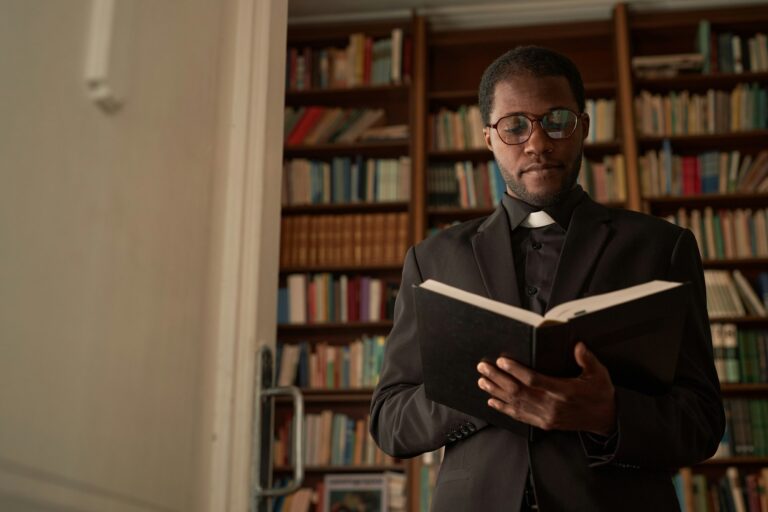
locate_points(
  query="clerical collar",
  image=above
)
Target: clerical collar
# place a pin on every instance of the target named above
(518, 210)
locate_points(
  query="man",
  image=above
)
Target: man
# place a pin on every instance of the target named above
(603, 447)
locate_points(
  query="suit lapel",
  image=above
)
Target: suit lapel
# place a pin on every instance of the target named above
(492, 246)
(587, 235)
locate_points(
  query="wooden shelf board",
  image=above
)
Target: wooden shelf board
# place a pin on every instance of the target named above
(706, 142)
(738, 388)
(347, 269)
(391, 206)
(312, 395)
(344, 469)
(359, 326)
(384, 148)
(365, 94)
(742, 262)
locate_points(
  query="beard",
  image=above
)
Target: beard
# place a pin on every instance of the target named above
(542, 200)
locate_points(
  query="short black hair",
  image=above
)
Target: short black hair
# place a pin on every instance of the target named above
(528, 60)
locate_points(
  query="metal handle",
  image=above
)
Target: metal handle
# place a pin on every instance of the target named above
(298, 441)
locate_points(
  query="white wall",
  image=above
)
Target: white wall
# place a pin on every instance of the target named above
(104, 242)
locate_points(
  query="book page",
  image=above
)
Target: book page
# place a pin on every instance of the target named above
(578, 307)
(519, 314)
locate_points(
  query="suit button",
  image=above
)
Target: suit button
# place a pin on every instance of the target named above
(464, 430)
(452, 438)
(531, 290)
(471, 427)
(536, 246)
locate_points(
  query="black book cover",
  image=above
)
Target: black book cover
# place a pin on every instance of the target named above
(638, 341)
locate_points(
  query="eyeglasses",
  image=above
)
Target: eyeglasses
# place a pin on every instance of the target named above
(515, 129)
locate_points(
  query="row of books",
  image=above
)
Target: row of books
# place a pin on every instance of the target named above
(331, 439)
(683, 113)
(322, 365)
(606, 180)
(463, 128)
(663, 173)
(730, 294)
(746, 429)
(324, 297)
(459, 129)
(723, 233)
(728, 52)
(741, 355)
(329, 125)
(480, 184)
(466, 184)
(346, 180)
(602, 119)
(343, 240)
(349, 492)
(364, 61)
(732, 492)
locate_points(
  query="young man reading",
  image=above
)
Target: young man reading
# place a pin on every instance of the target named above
(603, 447)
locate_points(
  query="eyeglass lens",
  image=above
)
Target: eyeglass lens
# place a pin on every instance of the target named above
(558, 124)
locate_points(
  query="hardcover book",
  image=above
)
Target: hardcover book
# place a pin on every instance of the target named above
(635, 332)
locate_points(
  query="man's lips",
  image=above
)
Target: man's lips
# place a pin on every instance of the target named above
(542, 167)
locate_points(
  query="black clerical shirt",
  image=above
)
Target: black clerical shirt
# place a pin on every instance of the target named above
(536, 251)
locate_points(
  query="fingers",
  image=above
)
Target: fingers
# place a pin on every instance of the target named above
(526, 376)
(495, 382)
(586, 359)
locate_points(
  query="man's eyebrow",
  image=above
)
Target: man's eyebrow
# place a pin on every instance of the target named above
(517, 112)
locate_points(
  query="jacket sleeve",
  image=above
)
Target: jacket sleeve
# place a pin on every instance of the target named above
(685, 425)
(404, 422)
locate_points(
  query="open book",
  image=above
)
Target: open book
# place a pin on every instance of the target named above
(635, 332)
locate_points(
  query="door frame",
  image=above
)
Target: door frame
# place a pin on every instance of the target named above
(245, 243)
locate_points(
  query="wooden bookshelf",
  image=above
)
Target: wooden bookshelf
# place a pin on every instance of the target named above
(603, 51)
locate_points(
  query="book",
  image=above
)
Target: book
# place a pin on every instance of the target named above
(635, 332)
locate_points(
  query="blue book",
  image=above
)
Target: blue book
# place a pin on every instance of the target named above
(302, 373)
(349, 442)
(316, 182)
(762, 285)
(283, 307)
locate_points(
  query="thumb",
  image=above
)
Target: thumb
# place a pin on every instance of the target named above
(586, 359)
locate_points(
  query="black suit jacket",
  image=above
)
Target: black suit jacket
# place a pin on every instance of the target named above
(485, 467)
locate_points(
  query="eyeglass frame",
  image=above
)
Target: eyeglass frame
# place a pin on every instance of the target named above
(536, 119)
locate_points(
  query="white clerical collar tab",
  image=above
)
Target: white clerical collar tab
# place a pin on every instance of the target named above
(537, 220)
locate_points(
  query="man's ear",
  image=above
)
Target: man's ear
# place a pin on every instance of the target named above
(487, 136)
(584, 126)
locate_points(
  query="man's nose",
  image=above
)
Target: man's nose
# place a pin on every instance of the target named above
(539, 142)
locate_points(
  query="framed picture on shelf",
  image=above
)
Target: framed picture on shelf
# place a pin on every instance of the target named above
(355, 493)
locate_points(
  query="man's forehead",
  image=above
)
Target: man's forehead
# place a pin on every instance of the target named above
(522, 92)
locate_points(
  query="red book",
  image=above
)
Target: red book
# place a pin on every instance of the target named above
(310, 118)
(353, 310)
(407, 58)
(311, 306)
(689, 175)
(696, 175)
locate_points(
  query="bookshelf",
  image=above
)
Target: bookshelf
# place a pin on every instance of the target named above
(346, 223)
(603, 50)
(653, 33)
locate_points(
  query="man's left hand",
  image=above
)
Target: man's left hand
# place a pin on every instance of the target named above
(584, 403)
